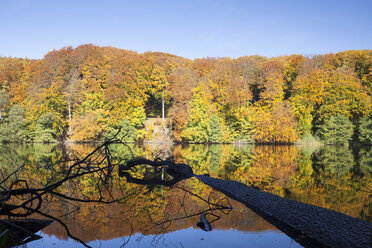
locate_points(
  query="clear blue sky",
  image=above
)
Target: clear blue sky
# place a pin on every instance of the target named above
(190, 28)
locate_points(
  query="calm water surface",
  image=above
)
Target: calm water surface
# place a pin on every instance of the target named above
(337, 178)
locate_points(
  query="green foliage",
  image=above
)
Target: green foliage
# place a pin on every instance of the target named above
(128, 133)
(365, 160)
(44, 129)
(336, 130)
(4, 133)
(238, 161)
(43, 135)
(203, 158)
(214, 152)
(337, 160)
(13, 129)
(365, 131)
(215, 134)
(241, 126)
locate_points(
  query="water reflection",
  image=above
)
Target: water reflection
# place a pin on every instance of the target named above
(334, 177)
(337, 178)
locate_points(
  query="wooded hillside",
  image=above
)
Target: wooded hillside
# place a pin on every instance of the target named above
(87, 93)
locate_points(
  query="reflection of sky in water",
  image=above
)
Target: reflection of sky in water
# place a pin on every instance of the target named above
(184, 238)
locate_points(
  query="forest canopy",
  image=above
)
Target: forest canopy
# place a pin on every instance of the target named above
(89, 92)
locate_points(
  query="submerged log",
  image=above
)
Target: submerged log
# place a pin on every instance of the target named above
(309, 225)
(181, 171)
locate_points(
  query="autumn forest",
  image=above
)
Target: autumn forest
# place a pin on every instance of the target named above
(88, 93)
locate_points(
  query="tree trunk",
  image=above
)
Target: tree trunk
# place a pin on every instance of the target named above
(162, 108)
(69, 115)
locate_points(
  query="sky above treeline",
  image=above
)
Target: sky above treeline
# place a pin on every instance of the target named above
(191, 29)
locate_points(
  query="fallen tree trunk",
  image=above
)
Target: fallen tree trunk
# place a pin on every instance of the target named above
(309, 225)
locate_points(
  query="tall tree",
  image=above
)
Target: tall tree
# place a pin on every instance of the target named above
(198, 128)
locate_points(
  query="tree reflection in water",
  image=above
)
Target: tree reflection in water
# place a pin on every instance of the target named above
(93, 180)
(94, 202)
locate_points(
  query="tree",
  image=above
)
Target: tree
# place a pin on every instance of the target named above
(44, 129)
(241, 128)
(336, 130)
(158, 87)
(198, 128)
(14, 128)
(365, 130)
(215, 134)
(291, 71)
(12, 71)
(359, 61)
(51, 100)
(271, 115)
(274, 124)
(128, 133)
(181, 82)
(87, 128)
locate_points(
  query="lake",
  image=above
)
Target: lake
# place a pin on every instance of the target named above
(105, 210)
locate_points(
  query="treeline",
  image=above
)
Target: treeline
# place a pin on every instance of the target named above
(89, 92)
